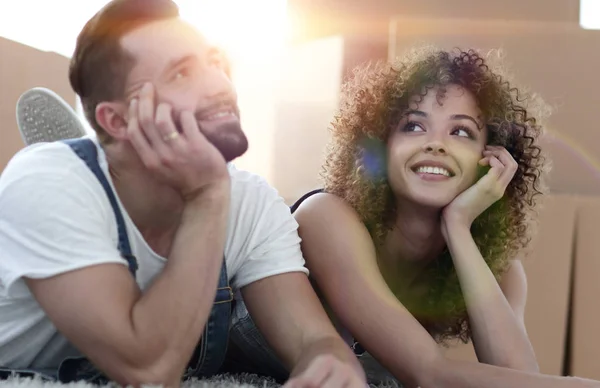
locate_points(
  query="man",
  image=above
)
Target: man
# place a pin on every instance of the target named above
(126, 259)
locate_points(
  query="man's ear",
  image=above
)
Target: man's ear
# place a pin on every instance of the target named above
(112, 117)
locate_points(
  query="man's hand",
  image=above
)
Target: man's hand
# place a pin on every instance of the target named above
(327, 372)
(290, 316)
(182, 158)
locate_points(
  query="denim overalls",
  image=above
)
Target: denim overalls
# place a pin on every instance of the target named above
(210, 352)
(254, 355)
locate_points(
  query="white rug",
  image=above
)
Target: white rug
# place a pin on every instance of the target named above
(376, 375)
(238, 381)
(225, 381)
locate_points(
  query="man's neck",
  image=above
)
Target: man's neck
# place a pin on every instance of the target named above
(154, 207)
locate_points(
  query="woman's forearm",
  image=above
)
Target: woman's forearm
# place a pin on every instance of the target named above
(461, 374)
(499, 337)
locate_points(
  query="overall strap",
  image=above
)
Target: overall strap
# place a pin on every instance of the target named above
(212, 348)
(87, 151)
(304, 197)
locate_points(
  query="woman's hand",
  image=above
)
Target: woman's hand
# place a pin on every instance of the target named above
(468, 205)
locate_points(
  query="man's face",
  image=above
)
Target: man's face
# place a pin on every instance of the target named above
(188, 74)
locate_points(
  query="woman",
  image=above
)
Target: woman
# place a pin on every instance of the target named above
(430, 183)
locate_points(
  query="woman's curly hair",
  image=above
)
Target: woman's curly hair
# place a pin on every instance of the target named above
(372, 103)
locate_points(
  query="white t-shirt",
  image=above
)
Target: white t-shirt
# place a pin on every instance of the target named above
(55, 217)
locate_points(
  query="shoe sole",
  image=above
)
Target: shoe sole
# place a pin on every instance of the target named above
(43, 116)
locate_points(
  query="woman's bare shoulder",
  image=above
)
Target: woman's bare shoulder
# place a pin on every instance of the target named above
(327, 206)
(330, 228)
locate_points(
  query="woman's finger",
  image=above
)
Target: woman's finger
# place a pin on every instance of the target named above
(510, 165)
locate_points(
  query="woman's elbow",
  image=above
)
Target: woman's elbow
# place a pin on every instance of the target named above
(522, 365)
(428, 372)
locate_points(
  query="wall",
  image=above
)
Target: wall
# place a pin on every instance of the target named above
(255, 82)
(286, 104)
(22, 68)
(306, 99)
(307, 96)
(553, 58)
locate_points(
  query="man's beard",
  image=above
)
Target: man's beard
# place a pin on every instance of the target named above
(229, 139)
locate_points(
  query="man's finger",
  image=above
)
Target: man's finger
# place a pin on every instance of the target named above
(318, 371)
(190, 128)
(147, 121)
(146, 115)
(167, 129)
(339, 377)
(136, 137)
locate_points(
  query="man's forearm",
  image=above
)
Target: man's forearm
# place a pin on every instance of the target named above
(171, 314)
(332, 346)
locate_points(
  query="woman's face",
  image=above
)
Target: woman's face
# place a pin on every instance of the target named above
(434, 151)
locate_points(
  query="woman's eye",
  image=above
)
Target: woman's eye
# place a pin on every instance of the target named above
(463, 132)
(413, 127)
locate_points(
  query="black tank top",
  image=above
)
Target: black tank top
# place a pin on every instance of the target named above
(304, 197)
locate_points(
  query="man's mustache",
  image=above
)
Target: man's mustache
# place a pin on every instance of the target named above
(225, 102)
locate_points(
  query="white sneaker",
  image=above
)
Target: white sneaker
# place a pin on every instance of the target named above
(43, 116)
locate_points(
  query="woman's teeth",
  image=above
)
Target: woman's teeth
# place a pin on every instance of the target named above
(433, 170)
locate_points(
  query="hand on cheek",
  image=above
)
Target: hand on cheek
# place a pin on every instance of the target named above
(467, 206)
(183, 158)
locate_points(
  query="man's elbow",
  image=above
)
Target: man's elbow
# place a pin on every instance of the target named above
(140, 370)
(153, 375)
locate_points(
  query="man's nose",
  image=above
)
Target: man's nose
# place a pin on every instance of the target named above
(214, 85)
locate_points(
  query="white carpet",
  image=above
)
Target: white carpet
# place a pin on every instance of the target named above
(237, 381)
(376, 375)
(241, 381)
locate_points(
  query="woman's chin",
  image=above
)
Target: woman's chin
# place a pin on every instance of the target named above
(432, 201)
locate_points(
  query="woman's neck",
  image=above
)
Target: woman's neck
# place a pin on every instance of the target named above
(414, 241)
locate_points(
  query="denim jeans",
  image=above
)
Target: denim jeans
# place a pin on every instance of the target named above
(249, 352)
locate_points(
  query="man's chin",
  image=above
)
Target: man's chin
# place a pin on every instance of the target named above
(230, 140)
(233, 152)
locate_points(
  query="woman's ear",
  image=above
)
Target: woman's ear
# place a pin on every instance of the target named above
(112, 117)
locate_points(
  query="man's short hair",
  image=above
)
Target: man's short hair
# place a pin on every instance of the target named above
(99, 66)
